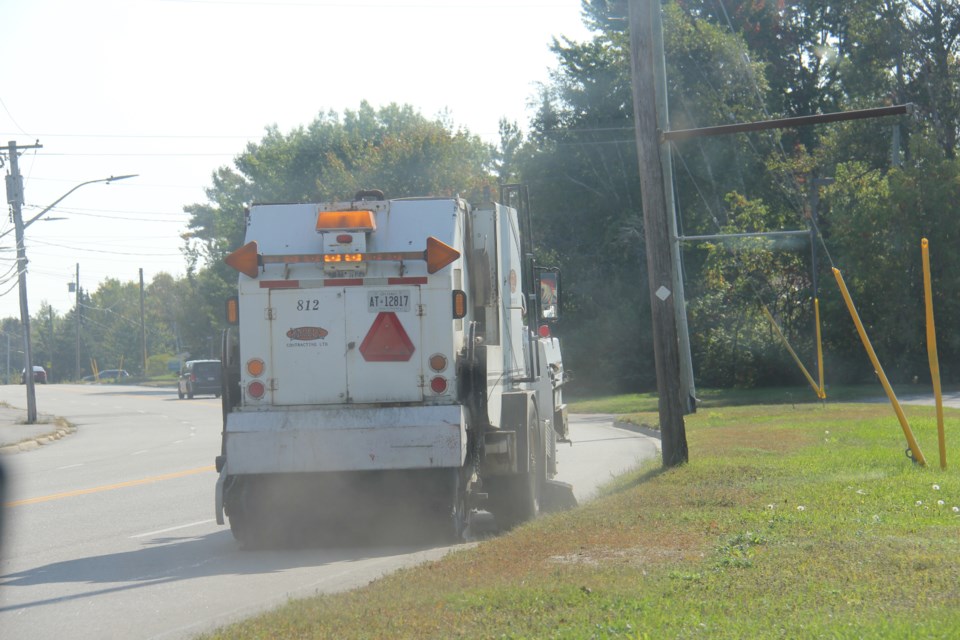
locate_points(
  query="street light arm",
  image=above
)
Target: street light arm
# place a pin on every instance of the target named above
(82, 184)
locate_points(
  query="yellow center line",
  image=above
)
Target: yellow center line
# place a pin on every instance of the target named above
(108, 487)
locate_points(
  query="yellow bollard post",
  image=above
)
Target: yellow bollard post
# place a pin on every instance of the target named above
(816, 315)
(914, 447)
(932, 351)
(793, 353)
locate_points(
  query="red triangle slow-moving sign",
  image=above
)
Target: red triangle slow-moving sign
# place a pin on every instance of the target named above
(386, 340)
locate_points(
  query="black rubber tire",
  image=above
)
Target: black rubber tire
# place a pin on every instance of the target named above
(246, 521)
(459, 517)
(516, 499)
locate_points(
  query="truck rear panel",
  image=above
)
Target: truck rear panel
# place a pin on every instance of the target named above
(356, 361)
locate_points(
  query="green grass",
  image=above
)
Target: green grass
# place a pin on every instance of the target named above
(790, 521)
(641, 408)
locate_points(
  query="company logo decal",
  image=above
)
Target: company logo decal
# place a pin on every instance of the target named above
(307, 333)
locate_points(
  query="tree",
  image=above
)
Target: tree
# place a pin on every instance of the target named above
(111, 322)
(934, 35)
(876, 220)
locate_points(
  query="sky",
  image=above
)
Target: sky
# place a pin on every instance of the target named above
(171, 90)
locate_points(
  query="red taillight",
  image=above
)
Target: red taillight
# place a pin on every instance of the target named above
(544, 331)
(438, 384)
(193, 377)
(344, 238)
(256, 389)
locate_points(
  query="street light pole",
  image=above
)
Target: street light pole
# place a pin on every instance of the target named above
(15, 198)
(82, 184)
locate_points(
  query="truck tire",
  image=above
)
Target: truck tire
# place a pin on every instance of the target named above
(246, 520)
(240, 528)
(516, 499)
(458, 518)
(441, 517)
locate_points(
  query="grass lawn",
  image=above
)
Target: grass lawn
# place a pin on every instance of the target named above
(790, 521)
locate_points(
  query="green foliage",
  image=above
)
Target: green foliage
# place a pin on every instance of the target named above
(875, 222)
(581, 165)
(157, 364)
(750, 277)
(737, 62)
(110, 326)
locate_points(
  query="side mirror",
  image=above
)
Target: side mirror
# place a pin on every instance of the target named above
(549, 294)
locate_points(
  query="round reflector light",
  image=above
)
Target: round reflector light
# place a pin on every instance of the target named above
(255, 367)
(438, 362)
(438, 384)
(256, 389)
(544, 331)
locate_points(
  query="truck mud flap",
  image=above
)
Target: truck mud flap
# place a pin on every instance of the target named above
(557, 496)
(218, 497)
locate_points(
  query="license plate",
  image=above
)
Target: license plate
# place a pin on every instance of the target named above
(394, 300)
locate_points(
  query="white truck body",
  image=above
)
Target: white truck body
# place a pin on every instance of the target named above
(362, 346)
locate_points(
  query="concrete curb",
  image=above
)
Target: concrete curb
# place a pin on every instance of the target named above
(637, 428)
(58, 428)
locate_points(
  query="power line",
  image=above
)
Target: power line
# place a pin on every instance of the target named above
(230, 154)
(139, 185)
(78, 210)
(143, 136)
(126, 219)
(12, 119)
(103, 251)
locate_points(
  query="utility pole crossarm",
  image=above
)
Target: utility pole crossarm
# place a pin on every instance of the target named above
(785, 123)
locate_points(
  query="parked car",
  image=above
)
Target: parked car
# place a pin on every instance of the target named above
(107, 375)
(39, 375)
(199, 377)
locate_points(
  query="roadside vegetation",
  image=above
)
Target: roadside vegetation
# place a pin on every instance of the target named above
(641, 408)
(792, 520)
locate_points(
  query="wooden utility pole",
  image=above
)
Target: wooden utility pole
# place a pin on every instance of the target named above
(657, 233)
(15, 199)
(688, 392)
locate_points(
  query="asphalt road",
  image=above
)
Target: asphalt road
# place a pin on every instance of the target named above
(111, 531)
